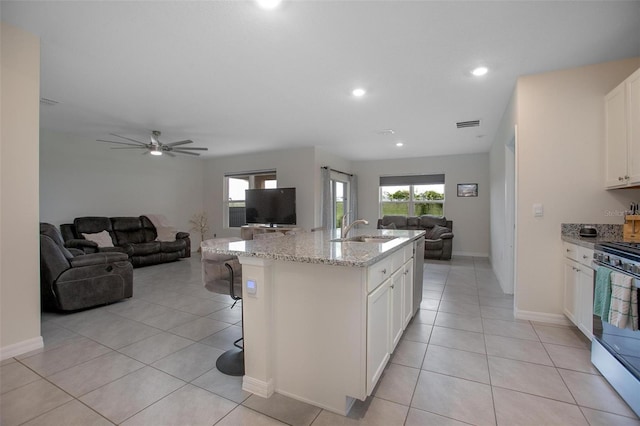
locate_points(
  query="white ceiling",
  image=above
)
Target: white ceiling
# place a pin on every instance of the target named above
(236, 78)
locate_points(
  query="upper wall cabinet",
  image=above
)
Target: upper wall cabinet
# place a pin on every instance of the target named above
(622, 132)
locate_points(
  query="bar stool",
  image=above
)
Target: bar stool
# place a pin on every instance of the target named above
(222, 274)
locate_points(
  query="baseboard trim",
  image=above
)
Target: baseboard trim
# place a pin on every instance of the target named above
(558, 319)
(259, 387)
(21, 348)
(470, 254)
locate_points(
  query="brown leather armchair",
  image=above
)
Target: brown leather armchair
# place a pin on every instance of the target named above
(71, 280)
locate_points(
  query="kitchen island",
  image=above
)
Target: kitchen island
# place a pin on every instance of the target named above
(321, 314)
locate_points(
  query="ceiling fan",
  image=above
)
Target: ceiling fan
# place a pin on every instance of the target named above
(155, 147)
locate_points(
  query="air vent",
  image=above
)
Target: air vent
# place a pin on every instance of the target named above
(465, 124)
(386, 132)
(48, 102)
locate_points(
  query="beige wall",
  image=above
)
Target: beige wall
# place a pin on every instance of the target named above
(81, 177)
(19, 232)
(294, 168)
(470, 215)
(560, 164)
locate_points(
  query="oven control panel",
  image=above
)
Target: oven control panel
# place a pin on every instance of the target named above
(617, 263)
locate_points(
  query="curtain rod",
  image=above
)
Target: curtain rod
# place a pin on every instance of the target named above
(337, 171)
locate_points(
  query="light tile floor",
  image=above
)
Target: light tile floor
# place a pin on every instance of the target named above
(150, 360)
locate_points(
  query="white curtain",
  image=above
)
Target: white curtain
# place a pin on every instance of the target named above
(353, 198)
(327, 202)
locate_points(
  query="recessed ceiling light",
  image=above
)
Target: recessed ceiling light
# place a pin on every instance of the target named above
(268, 4)
(359, 92)
(399, 143)
(480, 71)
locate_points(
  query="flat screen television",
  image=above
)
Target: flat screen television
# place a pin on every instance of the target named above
(275, 206)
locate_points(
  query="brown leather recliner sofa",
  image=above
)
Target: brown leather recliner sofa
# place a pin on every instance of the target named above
(135, 236)
(71, 280)
(438, 241)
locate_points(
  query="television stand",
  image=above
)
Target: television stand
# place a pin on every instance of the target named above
(247, 231)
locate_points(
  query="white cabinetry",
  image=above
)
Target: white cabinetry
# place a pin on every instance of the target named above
(578, 287)
(378, 319)
(622, 132)
(389, 309)
(407, 288)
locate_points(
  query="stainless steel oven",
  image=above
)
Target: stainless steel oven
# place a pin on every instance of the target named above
(616, 352)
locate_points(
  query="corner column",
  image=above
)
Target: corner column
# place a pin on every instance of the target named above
(257, 317)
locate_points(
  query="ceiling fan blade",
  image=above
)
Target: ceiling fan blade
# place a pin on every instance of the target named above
(179, 151)
(120, 143)
(194, 149)
(184, 142)
(129, 147)
(129, 139)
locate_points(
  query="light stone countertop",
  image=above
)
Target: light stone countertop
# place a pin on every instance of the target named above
(588, 242)
(317, 247)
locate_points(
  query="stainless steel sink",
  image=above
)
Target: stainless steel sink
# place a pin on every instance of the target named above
(377, 239)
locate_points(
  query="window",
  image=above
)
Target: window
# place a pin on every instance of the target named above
(412, 195)
(236, 184)
(339, 191)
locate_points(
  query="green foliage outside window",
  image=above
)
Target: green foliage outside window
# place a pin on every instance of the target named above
(398, 203)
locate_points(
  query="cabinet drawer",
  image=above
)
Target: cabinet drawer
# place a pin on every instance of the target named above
(378, 272)
(585, 256)
(397, 260)
(408, 252)
(571, 251)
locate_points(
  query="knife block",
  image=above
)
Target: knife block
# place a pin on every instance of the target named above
(631, 229)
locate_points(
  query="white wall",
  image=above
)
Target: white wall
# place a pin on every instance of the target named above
(560, 164)
(82, 177)
(19, 231)
(294, 168)
(470, 215)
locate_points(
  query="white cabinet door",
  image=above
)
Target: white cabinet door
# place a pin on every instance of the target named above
(397, 303)
(616, 138)
(570, 289)
(407, 288)
(585, 300)
(633, 127)
(378, 332)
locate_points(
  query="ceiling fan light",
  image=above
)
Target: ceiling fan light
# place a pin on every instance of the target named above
(156, 151)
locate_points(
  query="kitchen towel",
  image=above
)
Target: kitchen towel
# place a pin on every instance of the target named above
(602, 293)
(623, 312)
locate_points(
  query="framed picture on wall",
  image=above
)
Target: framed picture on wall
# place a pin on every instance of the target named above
(467, 190)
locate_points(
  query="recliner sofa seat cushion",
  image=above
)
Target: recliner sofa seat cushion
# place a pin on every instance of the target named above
(172, 246)
(143, 249)
(102, 284)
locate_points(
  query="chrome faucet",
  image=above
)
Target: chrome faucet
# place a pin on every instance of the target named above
(346, 228)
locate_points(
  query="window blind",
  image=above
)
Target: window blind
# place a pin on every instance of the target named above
(411, 180)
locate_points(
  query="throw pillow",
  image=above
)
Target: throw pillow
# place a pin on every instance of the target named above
(389, 226)
(166, 233)
(103, 239)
